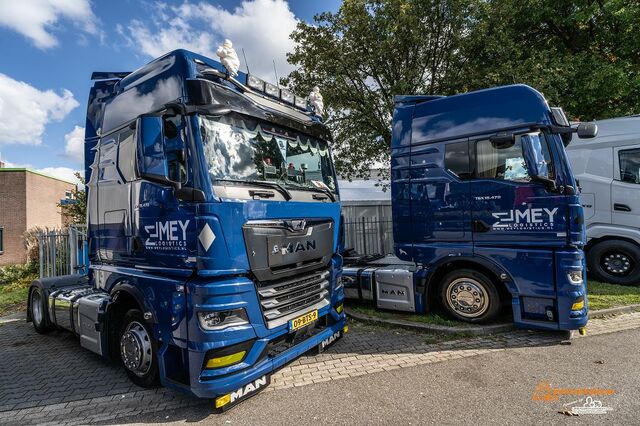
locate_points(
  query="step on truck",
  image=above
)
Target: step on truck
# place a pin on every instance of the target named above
(485, 212)
(213, 228)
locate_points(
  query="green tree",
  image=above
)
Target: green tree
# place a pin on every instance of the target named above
(76, 211)
(363, 55)
(583, 55)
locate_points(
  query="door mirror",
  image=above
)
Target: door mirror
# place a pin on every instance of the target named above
(587, 130)
(152, 160)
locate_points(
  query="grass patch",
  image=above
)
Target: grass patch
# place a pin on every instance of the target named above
(14, 286)
(433, 318)
(604, 295)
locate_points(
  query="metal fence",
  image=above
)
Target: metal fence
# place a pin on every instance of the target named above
(369, 235)
(63, 251)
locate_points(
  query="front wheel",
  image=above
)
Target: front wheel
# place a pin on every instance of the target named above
(470, 296)
(615, 262)
(138, 350)
(39, 315)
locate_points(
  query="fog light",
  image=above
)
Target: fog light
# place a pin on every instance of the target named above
(223, 400)
(578, 305)
(575, 277)
(218, 320)
(226, 360)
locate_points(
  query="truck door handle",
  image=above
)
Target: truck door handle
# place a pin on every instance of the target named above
(621, 207)
(480, 226)
(261, 194)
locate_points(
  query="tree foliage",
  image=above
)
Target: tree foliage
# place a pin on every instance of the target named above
(76, 211)
(363, 55)
(584, 55)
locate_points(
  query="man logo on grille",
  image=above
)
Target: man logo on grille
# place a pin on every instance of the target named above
(297, 225)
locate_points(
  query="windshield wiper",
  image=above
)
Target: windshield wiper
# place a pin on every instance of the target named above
(264, 184)
(330, 194)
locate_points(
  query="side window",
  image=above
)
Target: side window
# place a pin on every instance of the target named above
(108, 157)
(630, 165)
(456, 159)
(127, 155)
(500, 162)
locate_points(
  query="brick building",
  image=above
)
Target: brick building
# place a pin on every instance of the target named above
(27, 199)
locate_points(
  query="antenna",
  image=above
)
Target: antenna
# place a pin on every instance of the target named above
(276, 73)
(246, 63)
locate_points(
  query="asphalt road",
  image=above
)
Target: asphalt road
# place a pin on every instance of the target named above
(492, 388)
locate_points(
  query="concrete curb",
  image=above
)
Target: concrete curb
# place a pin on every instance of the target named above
(475, 330)
(614, 311)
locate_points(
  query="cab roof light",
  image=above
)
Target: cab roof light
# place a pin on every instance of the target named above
(287, 96)
(301, 103)
(271, 90)
(255, 83)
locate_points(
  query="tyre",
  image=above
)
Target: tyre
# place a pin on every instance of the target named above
(39, 314)
(138, 350)
(469, 295)
(615, 261)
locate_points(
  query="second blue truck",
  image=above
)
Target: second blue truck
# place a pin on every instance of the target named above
(485, 212)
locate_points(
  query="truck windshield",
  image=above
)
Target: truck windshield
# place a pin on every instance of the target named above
(239, 148)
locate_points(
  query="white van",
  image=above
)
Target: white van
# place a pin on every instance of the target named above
(608, 170)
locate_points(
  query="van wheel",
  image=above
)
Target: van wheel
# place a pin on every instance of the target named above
(615, 261)
(39, 314)
(138, 350)
(470, 296)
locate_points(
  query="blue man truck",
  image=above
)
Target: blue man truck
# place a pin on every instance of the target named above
(213, 227)
(485, 212)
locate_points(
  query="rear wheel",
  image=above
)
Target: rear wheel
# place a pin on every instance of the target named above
(615, 261)
(39, 315)
(469, 296)
(138, 350)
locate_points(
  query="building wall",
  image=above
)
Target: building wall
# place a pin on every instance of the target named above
(13, 215)
(27, 200)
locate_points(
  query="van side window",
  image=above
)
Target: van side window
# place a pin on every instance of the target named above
(456, 159)
(630, 165)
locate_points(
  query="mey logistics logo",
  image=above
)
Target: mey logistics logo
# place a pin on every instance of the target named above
(167, 235)
(529, 219)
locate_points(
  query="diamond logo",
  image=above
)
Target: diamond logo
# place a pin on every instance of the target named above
(206, 237)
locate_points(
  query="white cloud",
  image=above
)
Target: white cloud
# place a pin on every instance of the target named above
(25, 110)
(74, 146)
(261, 27)
(37, 19)
(65, 173)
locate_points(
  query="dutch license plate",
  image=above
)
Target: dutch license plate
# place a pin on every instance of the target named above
(303, 320)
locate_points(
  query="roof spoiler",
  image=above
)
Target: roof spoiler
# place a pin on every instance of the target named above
(415, 99)
(107, 75)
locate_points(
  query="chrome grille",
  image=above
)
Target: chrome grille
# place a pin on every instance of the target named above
(284, 300)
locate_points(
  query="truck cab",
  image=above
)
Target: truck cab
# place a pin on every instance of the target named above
(213, 227)
(608, 172)
(485, 200)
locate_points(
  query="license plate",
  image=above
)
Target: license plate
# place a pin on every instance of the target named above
(303, 320)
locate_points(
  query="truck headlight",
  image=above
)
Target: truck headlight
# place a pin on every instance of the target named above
(575, 277)
(218, 320)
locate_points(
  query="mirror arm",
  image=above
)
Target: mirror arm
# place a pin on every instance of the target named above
(550, 184)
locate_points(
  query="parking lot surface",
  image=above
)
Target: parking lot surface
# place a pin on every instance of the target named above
(50, 379)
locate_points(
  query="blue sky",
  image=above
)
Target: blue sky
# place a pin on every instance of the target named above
(50, 47)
